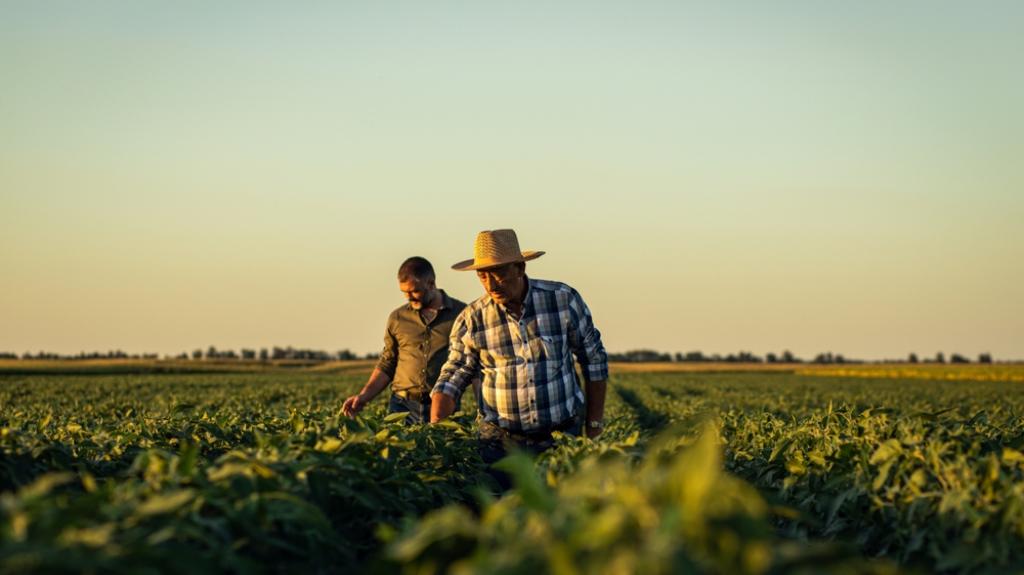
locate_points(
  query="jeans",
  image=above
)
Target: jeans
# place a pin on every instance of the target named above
(419, 411)
(495, 443)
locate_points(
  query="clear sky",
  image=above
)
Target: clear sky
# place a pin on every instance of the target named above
(820, 175)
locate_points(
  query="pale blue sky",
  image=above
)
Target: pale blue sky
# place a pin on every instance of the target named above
(812, 175)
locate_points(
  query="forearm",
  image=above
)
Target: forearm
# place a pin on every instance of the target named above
(377, 382)
(441, 406)
(595, 400)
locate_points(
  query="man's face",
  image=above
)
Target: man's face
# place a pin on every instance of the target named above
(503, 283)
(418, 292)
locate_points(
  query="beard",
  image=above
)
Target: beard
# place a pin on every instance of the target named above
(422, 303)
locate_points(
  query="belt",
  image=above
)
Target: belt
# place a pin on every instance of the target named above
(413, 394)
(496, 432)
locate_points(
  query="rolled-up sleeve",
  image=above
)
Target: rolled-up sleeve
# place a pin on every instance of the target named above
(463, 359)
(586, 341)
(388, 361)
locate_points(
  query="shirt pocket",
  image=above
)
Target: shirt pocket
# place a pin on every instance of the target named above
(554, 364)
(497, 371)
(553, 347)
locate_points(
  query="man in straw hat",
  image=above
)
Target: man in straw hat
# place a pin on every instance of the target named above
(521, 337)
(415, 345)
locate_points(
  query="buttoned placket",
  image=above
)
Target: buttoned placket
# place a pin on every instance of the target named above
(425, 349)
(521, 343)
(425, 343)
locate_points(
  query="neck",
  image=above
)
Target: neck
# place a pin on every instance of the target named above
(435, 300)
(518, 303)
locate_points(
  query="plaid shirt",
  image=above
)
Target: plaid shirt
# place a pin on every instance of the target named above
(528, 375)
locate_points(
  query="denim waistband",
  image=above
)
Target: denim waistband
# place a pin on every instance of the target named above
(492, 431)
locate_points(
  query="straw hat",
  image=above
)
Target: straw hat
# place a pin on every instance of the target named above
(495, 248)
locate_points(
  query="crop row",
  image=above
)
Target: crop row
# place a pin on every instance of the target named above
(697, 472)
(927, 473)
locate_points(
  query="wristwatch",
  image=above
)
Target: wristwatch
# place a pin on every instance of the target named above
(595, 424)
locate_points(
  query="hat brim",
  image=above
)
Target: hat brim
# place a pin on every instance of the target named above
(472, 264)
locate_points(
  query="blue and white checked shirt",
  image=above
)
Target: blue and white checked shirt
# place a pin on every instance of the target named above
(526, 366)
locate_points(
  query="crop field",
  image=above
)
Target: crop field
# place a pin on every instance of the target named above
(870, 469)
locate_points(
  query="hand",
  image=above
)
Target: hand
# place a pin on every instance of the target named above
(353, 405)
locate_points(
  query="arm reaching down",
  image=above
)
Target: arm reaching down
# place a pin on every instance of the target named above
(590, 353)
(381, 376)
(458, 371)
(377, 382)
(441, 407)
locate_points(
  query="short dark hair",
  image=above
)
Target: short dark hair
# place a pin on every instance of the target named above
(415, 267)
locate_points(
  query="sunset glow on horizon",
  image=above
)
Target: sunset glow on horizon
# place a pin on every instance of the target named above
(734, 176)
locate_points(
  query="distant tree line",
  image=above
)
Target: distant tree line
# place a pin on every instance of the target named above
(634, 356)
(113, 354)
(263, 354)
(954, 358)
(277, 354)
(649, 355)
(828, 357)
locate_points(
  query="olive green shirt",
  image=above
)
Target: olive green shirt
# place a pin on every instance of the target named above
(414, 351)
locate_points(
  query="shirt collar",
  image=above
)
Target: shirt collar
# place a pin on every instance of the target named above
(446, 302)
